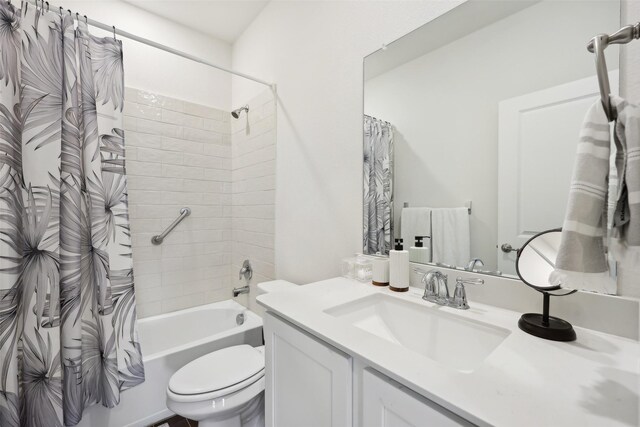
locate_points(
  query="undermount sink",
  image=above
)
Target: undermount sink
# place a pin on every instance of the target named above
(446, 338)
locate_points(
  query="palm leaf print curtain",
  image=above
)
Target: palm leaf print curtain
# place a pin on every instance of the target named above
(68, 335)
(378, 186)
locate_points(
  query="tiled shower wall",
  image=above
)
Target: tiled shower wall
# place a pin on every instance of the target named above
(253, 185)
(178, 154)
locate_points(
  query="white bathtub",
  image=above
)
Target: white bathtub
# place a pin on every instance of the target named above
(169, 341)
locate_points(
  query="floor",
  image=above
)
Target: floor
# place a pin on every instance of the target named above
(176, 421)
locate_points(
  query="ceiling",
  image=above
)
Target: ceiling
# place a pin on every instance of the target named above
(222, 19)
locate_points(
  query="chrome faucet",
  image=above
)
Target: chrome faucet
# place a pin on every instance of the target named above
(435, 287)
(247, 272)
(472, 264)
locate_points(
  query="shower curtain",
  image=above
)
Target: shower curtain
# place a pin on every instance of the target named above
(378, 186)
(68, 334)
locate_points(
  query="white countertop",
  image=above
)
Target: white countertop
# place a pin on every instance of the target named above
(525, 381)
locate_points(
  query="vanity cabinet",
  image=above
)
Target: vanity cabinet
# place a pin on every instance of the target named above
(309, 383)
(385, 403)
(312, 384)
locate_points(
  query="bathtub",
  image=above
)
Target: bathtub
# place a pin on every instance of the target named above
(169, 341)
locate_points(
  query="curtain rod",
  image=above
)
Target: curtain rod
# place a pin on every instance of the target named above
(148, 42)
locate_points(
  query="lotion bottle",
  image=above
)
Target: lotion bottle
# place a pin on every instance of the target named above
(399, 268)
(419, 253)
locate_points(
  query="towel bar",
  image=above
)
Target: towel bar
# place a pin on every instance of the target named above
(467, 205)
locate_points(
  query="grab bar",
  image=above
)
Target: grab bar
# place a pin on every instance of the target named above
(157, 240)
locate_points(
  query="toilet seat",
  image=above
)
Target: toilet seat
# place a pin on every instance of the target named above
(216, 374)
(236, 388)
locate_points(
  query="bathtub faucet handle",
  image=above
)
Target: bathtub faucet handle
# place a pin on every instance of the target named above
(246, 271)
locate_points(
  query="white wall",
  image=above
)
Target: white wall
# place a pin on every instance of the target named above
(160, 72)
(314, 52)
(444, 105)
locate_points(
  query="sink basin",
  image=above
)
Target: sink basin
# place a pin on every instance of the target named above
(446, 338)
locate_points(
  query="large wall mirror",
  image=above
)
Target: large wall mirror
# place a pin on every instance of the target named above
(471, 126)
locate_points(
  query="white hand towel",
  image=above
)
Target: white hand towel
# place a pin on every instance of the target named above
(450, 236)
(415, 222)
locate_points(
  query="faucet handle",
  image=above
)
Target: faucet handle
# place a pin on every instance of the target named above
(430, 288)
(469, 281)
(460, 294)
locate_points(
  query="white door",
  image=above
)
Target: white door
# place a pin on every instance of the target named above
(386, 403)
(537, 140)
(308, 383)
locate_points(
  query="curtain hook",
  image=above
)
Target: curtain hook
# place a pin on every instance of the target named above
(86, 20)
(77, 15)
(47, 6)
(114, 32)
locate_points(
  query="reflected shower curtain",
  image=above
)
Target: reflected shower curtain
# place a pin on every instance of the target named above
(68, 334)
(378, 186)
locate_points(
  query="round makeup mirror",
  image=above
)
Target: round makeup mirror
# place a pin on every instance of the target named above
(535, 262)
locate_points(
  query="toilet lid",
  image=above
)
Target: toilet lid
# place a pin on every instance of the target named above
(218, 370)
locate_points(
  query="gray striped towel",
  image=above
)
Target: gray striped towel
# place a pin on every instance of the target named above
(625, 238)
(582, 260)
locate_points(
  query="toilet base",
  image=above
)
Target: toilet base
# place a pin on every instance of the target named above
(251, 416)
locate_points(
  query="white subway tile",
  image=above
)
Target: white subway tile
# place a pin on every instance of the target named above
(217, 174)
(169, 197)
(139, 197)
(145, 226)
(142, 111)
(194, 185)
(146, 267)
(155, 183)
(135, 167)
(137, 139)
(146, 281)
(172, 104)
(173, 144)
(147, 309)
(217, 150)
(182, 172)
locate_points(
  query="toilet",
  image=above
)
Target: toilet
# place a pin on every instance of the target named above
(224, 388)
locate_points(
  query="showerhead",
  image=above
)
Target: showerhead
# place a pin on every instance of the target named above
(236, 113)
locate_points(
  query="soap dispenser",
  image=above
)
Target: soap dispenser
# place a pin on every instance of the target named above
(399, 268)
(419, 252)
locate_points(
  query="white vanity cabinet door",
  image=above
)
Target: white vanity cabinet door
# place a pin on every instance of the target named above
(308, 383)
(386, 403)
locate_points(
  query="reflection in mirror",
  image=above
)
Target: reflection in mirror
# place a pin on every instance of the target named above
(535, 262)
(479, 108)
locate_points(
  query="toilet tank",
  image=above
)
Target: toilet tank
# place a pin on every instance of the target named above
(269, 287)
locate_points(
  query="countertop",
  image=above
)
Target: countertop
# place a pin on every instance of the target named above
(525, 381)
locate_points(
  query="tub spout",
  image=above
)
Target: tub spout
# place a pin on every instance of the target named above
(241, 290)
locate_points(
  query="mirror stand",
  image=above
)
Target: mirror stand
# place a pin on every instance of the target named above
(545, 326)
